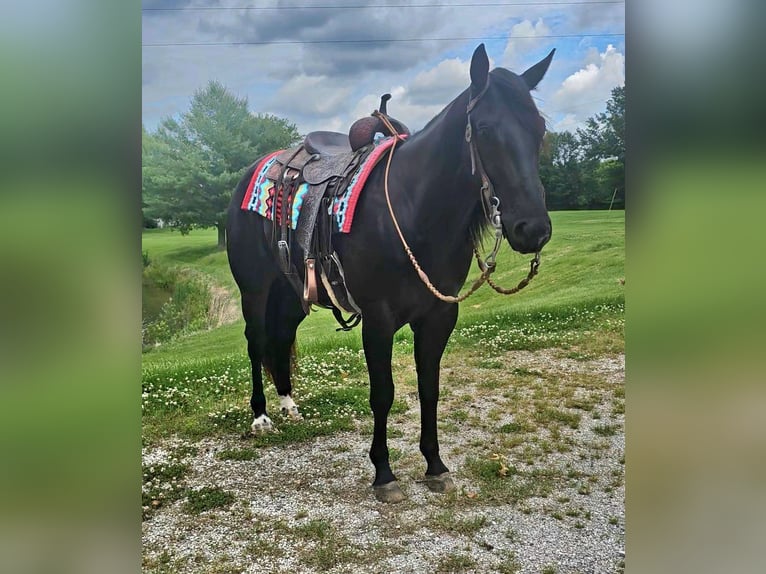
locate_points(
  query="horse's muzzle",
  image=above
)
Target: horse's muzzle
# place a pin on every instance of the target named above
(529, 235)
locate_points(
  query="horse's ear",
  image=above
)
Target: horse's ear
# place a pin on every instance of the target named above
(479, 67)
(534, 74)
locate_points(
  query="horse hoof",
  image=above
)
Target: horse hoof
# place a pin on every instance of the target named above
(440, 483)
(261, 425)
(292, 413)
(389, 493)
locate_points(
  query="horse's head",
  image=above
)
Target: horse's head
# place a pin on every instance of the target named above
(507, 132)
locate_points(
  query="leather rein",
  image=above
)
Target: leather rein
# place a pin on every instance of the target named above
(490, 203)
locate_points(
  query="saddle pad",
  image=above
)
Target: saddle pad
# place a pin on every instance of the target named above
(260, 193)
(261, 190)
(345, 204)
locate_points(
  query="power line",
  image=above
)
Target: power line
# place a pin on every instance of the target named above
(382, 41)
(368, 6)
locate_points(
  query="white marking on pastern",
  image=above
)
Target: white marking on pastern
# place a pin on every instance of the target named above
(261, 424)
(289, 408)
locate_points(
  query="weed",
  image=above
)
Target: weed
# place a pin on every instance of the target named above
(455, 562)
(501, 483)
(514, 427)
(524, 372)
(546, 415)
(327, 548)
(449, 522)
(237, 454)
(316, 529)
(261, 547)
(162, 483)
(582, 404)
(207, 498)
(606, 430)
(584, 489)
(549, 569)
(510, 564)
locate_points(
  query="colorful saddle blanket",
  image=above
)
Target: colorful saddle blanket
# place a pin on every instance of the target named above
(261, 191)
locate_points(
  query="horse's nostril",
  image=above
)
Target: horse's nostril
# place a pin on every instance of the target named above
(533, 233)
(543, 240)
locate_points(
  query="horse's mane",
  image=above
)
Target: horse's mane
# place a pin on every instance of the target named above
(525, 111)
(523, 106)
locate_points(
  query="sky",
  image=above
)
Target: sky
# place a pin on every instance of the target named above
(298, 59)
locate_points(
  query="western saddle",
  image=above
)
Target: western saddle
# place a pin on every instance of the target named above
(326, 161)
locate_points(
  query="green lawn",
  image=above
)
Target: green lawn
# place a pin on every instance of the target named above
(197, 385)
(581, 266)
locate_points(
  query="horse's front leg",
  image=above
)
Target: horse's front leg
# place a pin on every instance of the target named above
(431, 335)
(378, 339)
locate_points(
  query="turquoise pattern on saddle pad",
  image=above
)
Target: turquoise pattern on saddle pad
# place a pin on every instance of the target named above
(262, 195)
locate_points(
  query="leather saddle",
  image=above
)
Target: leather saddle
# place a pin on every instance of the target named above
(326, 161)
(327, 143)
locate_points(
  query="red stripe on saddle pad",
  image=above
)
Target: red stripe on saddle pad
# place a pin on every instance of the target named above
(369, 164)
(254, 179)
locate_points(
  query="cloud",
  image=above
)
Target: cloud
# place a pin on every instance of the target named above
(449, 76)
(602, 17)
(311, 95)
(326, 36)
(522, 43)
(321, 81)
(154, 4)
(585, 92)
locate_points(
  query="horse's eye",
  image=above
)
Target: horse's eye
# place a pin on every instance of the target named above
(483, 128)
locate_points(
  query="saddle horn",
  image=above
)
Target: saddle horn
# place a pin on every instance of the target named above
(362, 131)
(383, 100)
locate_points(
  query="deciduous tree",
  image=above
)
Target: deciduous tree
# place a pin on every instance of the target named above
(191, 164)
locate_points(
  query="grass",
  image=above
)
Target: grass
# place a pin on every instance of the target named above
(207, 498)
(455, 562)
(448, 521)
(162, 483)
(510, 484)
(323, 547)
(510, 564)
(237, 454)
(198, 384)
(606, 430)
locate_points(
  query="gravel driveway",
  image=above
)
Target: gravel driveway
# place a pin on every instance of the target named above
(308, 507)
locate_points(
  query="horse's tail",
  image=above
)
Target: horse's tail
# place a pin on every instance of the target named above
(268, 368)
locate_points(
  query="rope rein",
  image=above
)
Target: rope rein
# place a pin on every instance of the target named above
(488, 267)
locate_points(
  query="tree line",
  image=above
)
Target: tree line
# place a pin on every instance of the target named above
(191, 164)
(586, 169)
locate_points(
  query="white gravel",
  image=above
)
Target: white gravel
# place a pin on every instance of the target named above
(327, 479)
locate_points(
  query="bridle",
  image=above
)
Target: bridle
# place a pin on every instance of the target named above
(490, 203)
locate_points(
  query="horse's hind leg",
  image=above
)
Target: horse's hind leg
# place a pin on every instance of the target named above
(254, 311)
(431, 336)
(283, 315)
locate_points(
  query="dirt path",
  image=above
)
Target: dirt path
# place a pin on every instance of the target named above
(224, 307)
(535, 443)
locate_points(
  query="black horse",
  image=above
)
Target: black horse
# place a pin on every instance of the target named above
(435, 183)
